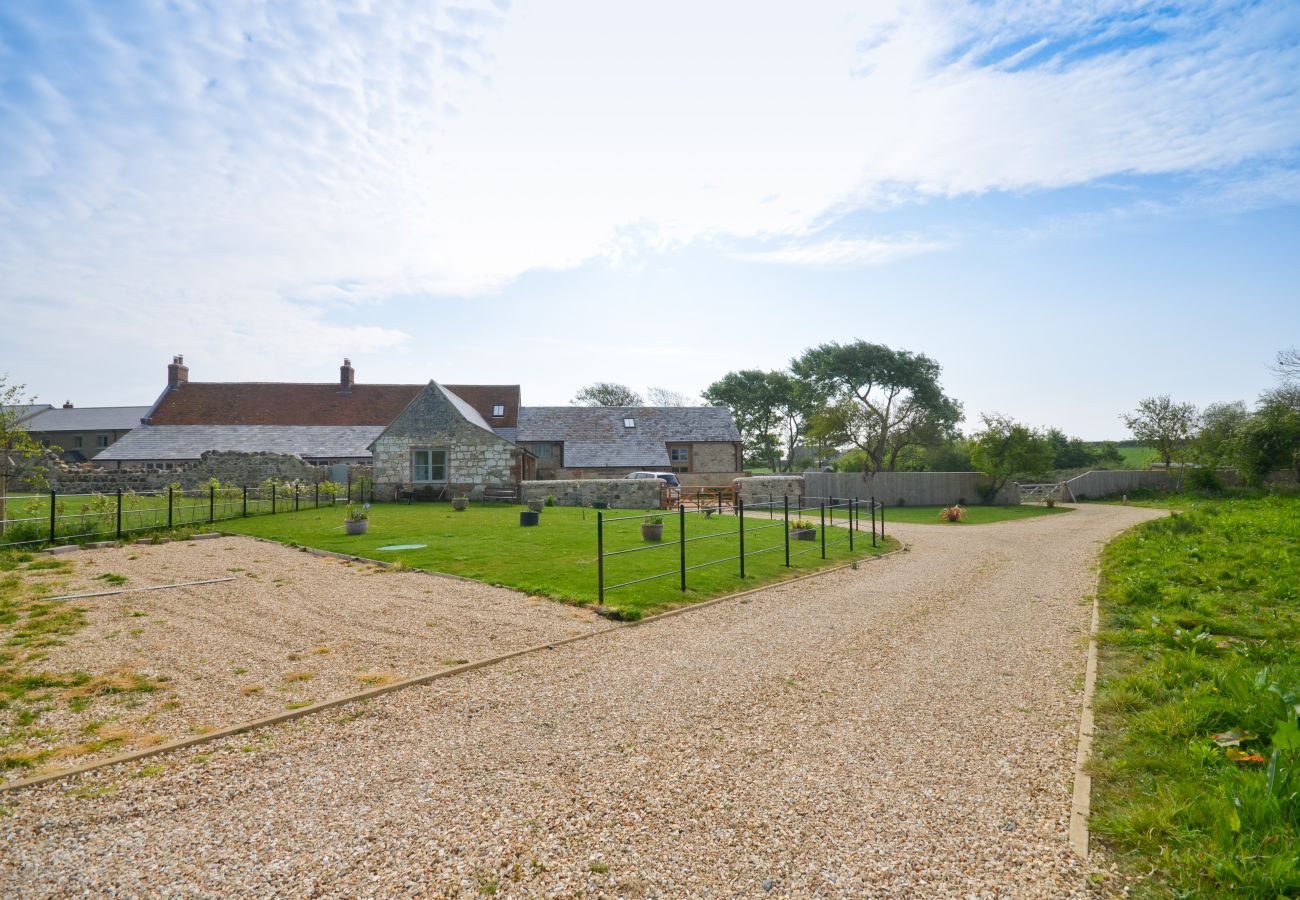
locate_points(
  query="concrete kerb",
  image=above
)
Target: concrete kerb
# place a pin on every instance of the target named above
(1081, 801)
(370, 694)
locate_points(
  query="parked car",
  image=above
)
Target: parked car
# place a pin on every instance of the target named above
(674, 486)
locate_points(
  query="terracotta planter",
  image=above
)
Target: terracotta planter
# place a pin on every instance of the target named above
(356, 526)
(803, 534)
(651, 532)
(460, 504)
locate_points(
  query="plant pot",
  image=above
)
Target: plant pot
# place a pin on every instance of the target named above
(528, 518)
(535, 505)
(803, 534)
(651, 532)
(460, 504)
(356, 526)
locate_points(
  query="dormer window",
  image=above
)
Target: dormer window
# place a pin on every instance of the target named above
(629, 423)
(498, 410)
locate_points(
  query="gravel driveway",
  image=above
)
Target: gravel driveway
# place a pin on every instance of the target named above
(906, 728)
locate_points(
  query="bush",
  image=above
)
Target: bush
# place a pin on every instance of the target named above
(952, 514)
(987, 493)
(550, 499)
(1205, 479)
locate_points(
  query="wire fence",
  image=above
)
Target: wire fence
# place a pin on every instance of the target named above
(745, 540)
(53, 518)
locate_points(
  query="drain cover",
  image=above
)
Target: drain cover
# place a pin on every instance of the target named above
(404, 547)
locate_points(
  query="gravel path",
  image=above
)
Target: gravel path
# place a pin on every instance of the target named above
(906, 728)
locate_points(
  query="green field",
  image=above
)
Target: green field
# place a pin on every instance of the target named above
(558, 557)
(1138, 457)
(1196, 788)
(975, 515)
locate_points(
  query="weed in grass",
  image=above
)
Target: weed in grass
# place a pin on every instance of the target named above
(321, 650)
(454, 662)
(488, 887)
(300, 675)
(113, 579)
(249, 689)
(91, 791)
(148, 771)
(374, 679)
(240, 670)
(301, 704)
(597, 868)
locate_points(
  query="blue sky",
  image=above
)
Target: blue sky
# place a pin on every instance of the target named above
(1069, 205)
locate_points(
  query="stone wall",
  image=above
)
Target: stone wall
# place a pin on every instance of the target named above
(619, 493)
(239, 469)
(713, 457)
(765, 488)
(476, 459)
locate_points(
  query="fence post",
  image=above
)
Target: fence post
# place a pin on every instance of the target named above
(823, 515)
(719, 502)
(316, 500)
(170, 504)
(295, 496)
(853, 502)
(53, 515)
(832, 512)
(212, 503)
(740, 511)
(119, 514)
(349, 487)
(272, 498)
(786, 501)
(873, 520)
(600, 558)
(882, 521)
(245, 501)
(681, 539)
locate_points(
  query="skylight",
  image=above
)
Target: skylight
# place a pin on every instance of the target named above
(629, 423)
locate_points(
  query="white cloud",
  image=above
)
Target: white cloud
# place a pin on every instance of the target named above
(844, 252)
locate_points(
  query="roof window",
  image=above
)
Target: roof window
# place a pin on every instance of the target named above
(498, 410)
(629, 423)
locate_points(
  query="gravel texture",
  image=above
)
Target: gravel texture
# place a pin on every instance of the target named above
(292, 628)
(907, 728)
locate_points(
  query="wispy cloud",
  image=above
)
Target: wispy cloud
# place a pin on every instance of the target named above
(836, 252)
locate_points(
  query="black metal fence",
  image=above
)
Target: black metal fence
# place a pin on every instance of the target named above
(57, 518)
(770, 515)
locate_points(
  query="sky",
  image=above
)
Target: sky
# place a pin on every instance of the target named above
(1069, 204)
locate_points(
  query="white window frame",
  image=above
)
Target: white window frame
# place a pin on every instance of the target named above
(429, 465)
(498, 410)
(629, 422)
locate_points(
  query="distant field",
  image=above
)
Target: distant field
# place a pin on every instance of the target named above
(1138, 457)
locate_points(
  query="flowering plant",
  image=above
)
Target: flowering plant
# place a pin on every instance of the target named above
(358, 513)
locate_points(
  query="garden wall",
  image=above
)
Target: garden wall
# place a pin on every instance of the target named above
(619, 493)
(769, 488)
(240, 469)
(908, 488)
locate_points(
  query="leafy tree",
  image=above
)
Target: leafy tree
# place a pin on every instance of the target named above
(1108, 455)
(1270, 439)
(1163, 425)
(17, 446)
(660, 396)
(1068, 452)
(1005, 448)
(754, 400)
(880, 400)
(607, 393)
(1218, 439)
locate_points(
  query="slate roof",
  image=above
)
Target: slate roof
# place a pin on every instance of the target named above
(89, 418)
(595, 437)
(282, 403)
(183, 442)
(26, 410)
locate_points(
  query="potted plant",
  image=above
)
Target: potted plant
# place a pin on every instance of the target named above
(802, 530)
(536, 505)
(652, 529)
(1050, 501)
(529, 517)
(460, 503)
(357, 520)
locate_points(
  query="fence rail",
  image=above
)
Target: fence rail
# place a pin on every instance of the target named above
(48, 518)
(770, 515)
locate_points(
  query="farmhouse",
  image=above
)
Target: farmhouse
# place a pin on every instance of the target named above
(82, 434)
(435, 437)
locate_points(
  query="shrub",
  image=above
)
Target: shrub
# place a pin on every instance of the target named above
(801, 525)
(952, 514)
(987, 493)
(1205, 479)
(654, 520)
(550, 499)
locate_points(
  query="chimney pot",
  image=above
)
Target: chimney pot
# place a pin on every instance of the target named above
(347, 376)
(67, 404)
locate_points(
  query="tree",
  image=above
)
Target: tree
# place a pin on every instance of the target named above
(1068, 452)
(1287, 366)
(1270, 439)
(881, 400)
(17, 446)
(749, 395)
(660, 396)
(1006, 448)
(796, 404)
(1219, 436)
(1162, 425)
(607, 393)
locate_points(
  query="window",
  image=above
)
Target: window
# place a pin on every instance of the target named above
(76, 442)
(498, 410)
(428, 465)
(629, 423)
(680, 454)
(542, 451)
(101, 441)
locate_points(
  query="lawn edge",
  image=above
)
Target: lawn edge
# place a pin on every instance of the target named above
(415, 681)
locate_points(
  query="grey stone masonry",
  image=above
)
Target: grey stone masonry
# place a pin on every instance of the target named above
(762, 488)
(476, 457)
(619, 493)
(239, 469)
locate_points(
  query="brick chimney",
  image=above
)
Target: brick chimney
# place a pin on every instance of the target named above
(67, 404)
(347, 377)
(177, 373)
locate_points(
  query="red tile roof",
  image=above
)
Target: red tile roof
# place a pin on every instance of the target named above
(278, 403)
(485, 396)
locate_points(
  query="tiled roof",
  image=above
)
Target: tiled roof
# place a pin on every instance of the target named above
(280, 403)
(485, 396)
(664, 424)
(181, 442)
(89, 418)
(26, 410)
(601, 454)
(470, 413)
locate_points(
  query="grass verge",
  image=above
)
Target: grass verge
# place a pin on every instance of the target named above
(558, 558)
(1196, 787)
(975, 515)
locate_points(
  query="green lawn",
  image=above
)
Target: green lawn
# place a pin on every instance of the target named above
(558, 557)
(975, 515)
(1197, 767)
